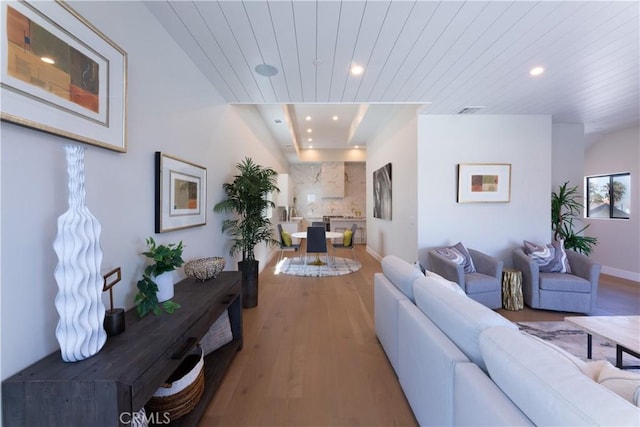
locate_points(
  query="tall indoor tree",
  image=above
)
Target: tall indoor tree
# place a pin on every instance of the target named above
(247, 198)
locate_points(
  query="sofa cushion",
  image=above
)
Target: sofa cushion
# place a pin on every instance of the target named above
(551, 258)
(564, 283)
(546, 385)
(459, 255)
(459, 317)
(437, 280)
(401, 274)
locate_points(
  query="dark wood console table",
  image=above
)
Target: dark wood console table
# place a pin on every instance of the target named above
(131, 366)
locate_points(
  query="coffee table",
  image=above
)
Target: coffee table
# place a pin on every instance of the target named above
(624, 331)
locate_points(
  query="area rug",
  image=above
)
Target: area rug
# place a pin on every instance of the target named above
(337, 267)
(574, 341)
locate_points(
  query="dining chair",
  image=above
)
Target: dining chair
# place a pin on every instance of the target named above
(317, 224)
(316, 243)
(349, 237)
(286, 246)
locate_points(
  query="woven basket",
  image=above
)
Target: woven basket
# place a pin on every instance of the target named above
(182, 391)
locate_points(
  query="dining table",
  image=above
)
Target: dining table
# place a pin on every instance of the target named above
(328, 235)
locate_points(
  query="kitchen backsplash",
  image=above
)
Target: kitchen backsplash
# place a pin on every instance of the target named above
(309, 199)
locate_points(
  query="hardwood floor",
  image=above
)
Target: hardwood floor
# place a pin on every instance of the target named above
(311, 356)
(615, 297)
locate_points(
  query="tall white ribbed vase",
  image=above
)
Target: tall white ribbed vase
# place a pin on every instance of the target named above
(80, 330)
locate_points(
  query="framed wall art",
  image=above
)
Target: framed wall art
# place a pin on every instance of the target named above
(181, 194)
(484, 182)
(61, 75)
(382, 192)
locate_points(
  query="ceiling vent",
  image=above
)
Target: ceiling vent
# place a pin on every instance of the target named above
(470, 109)
(277, 121)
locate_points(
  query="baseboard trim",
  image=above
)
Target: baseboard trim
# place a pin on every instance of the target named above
(623, 274)
(267, 261)
(374, 254)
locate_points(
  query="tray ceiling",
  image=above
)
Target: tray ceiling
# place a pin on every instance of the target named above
(446, 55)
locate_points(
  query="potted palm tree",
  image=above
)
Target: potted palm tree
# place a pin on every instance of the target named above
(565, 209)
(247, 198)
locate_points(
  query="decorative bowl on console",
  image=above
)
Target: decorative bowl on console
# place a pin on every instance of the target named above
(204, 268)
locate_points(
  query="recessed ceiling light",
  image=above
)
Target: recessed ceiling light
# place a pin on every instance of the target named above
(536, 71)
(334, 118)
(266, 70)
(356, 69)
(308, 118)
(309, 130)
(356, 146)
(310, 139)
(47, 60)
(311, 146)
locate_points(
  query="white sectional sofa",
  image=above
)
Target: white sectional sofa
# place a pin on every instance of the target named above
(460, 363)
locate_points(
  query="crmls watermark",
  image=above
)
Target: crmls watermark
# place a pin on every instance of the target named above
(141, 418)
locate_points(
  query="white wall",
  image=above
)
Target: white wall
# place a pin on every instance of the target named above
(171, 108)
(618, 248)
(494, 228)
(395, 144)
(567, 155)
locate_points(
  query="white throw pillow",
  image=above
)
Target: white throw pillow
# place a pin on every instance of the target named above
(623, 383)
(444, 282)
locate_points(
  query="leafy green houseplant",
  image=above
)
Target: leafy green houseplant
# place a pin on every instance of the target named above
(566, 209)
(166, 258)
(247, 198)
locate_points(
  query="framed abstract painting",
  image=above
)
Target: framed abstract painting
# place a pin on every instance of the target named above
(181, 194)
(484, 182)
(382, 192)
(61, 75)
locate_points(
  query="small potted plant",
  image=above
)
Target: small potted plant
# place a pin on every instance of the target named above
(156, 286)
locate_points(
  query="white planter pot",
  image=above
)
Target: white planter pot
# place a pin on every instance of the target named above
(165, 286)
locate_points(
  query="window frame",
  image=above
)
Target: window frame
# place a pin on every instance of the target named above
(611, 177)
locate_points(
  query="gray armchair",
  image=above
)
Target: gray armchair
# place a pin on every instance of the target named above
(576, 292)
(484, 286)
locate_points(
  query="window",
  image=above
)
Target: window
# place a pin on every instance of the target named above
(609, 196)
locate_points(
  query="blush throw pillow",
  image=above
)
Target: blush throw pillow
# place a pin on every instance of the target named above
(551, 258)
(459, 255)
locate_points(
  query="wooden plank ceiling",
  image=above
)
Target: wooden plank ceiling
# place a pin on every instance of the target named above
(448, 54)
